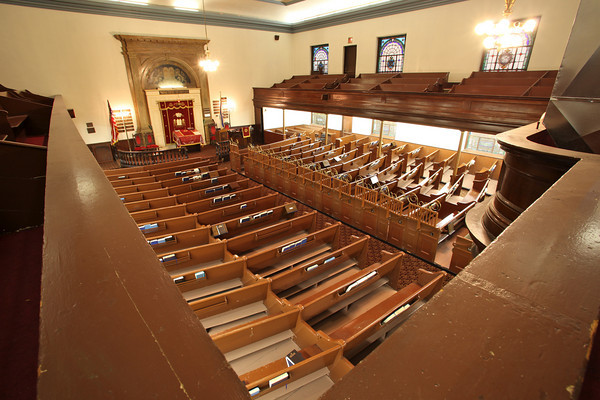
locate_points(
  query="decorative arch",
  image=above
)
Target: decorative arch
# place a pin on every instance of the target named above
(149, 59)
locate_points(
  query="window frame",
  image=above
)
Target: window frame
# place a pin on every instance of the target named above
(377, 61)
(312, 59)
(525, 63)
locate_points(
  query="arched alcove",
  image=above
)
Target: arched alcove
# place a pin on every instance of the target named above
(166, 66)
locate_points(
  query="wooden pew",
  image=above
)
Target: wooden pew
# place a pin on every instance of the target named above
(171, 166)
(336, 296)
(237, 307)
(177, 184)
(218, 191)
(225, 212)
(257, 353)
(310, 274)
(190, 191)
(126, 177)
(180, 240)
(384, 315)
(283, 235)
(188, 262)
(251, 222)
(208, 282)
(275, 259)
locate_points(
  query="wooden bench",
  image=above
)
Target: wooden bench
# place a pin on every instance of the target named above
(257, 352)
(284, 235)
(251, 222)
(273, 260)
(384, 315)
(237, 307)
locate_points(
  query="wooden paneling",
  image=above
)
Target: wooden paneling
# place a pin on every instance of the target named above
(479, 113)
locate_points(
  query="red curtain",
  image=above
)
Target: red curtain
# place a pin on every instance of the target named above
(177, 114)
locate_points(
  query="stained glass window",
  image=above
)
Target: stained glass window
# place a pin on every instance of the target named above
(320, 59)
(510, 58)
(390, 54)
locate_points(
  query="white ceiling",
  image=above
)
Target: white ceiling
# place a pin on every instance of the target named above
(272, 10)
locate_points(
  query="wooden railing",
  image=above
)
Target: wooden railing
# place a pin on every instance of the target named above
(138, 158)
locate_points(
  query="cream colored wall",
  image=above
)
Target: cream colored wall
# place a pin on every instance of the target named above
(75, 55)
(442, 38)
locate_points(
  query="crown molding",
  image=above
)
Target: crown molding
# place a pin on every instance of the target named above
(162, 13)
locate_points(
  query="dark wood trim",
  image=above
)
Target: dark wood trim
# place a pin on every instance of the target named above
(112, 321)
(477, 113)
(519, 320)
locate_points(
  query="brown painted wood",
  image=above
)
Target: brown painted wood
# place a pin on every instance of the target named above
(112, 323)
(479, 113)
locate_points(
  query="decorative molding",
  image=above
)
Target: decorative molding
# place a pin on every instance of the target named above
(162, 13)
(282, 3)
(143, 54)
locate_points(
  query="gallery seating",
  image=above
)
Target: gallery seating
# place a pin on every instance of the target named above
(264, 276)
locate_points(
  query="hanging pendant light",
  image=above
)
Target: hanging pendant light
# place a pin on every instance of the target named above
(505, 34)
(206, 63)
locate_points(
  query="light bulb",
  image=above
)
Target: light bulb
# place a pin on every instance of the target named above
(484, 28)
(530, 25)
(489, 42)
(502, 27)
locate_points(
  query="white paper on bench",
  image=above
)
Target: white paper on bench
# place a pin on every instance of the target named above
(212, 289)
(309, 387)
(233, 315)
(262, 352)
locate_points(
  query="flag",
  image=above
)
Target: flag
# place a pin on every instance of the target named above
(246, 131)
(114, 131)
(221, 112)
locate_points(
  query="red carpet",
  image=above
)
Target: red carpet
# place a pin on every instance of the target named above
(21, 266)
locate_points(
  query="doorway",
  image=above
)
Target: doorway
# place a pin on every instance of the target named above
(350, 60)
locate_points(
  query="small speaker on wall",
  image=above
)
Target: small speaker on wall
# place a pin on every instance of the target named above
(325, 96)
(276, 37)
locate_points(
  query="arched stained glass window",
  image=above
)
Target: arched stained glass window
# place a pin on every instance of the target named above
(510, 58)
(320, 59)
(390, 54)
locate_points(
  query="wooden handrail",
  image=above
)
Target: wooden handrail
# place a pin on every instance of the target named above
(138, 158)
(96, 314)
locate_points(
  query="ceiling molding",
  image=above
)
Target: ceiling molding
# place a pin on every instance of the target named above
(282, 3)
(162, 13)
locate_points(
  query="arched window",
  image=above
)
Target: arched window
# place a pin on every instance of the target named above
(390, 54)
(509, 58)
(320, 59)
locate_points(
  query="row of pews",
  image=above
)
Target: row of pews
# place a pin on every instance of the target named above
(515, 83)
(406, 195)
(24, 116)
(396, 82)
(286, 294)
(509, 83)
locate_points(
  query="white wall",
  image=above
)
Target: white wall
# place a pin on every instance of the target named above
(441, 39)
(75, 55)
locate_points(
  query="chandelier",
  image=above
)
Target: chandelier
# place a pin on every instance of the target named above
(505, 34)
(207, 64)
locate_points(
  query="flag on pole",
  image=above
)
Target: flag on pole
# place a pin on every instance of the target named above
(114, 131)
